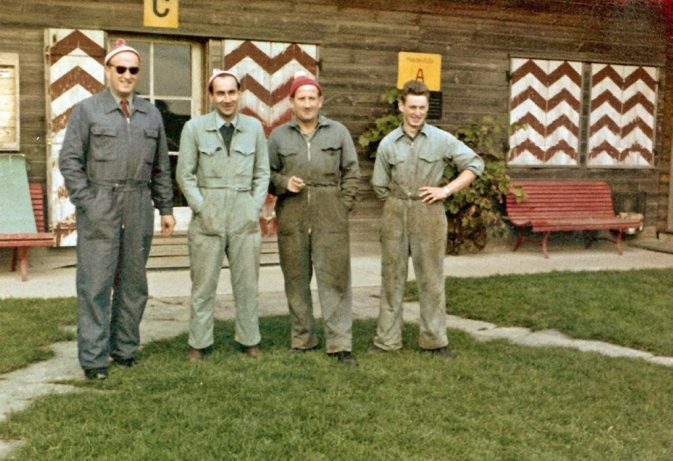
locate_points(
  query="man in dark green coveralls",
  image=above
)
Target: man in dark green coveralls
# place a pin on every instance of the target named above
(314, 173)
(115, 164)
(408, 175)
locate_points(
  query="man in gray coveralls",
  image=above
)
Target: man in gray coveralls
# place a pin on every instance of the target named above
(115, 164)
(315, 174)
(408, 175)
(223, 170)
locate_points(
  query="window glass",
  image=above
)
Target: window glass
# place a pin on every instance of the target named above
(143, 48)
(172, 69)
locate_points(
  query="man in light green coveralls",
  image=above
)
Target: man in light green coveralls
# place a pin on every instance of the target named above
(314, 173)
(223, 171)
(408, 175)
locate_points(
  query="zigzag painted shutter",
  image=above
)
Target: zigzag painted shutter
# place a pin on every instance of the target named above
(622, 118)
(544, 112)
(74, 63)
(266, 70)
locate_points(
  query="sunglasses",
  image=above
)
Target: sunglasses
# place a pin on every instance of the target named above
(121, 70)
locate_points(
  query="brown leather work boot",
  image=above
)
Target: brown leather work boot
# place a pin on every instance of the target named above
(252, 351)
(195, 355)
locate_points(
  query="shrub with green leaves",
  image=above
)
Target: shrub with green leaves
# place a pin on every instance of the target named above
(475, 213)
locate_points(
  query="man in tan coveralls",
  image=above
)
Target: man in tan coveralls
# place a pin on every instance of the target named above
(408, 175)
(314, 173)
(223, 171)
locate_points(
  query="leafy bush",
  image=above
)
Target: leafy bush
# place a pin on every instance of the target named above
(475, 213)
(370, 138)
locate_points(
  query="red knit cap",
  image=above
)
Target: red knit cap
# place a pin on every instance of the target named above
(301, 81)
(119, 47)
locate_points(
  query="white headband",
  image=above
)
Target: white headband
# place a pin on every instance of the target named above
(219, 73)
(119, 47)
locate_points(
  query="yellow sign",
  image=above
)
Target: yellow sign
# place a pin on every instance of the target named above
(419, 66)
(161, 13)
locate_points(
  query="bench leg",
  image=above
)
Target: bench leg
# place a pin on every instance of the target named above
(618, 242)
(589, 238)
(545, 239)
(15, 258)
(23, 263)
(519, 238)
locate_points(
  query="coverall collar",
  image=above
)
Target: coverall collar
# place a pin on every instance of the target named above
(110, 104)
(214, 121)
(322, 121)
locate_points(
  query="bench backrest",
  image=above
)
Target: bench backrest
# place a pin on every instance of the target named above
(38, 205)
(560, 199)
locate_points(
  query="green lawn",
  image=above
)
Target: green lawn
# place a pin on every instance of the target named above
(496, 401)
(632, 308)
(27, 326)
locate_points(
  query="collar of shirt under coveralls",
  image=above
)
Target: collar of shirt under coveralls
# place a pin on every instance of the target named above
(221, 122)
(118, 100)
(402, 133)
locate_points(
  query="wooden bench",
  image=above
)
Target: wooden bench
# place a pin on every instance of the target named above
(22, 242)
(552, 206)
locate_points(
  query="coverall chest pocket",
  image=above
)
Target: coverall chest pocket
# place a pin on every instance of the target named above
(431, 157)
(431, 165)
(150, 140)
(243, 154)
(210, 161)
(331, 160)
(103, 143)
(289, 162)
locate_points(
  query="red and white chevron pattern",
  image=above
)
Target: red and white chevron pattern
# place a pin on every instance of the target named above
(266, 70)
(75, 72)
(622, 118)
(544, 112)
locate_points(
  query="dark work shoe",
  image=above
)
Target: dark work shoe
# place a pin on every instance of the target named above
(442, 352)
(123, 362)
(98, 374)
(345, 357)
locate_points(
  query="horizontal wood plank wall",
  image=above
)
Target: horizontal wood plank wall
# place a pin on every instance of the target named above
(358, 44)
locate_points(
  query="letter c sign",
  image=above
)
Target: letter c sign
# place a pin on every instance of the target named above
(161, 13)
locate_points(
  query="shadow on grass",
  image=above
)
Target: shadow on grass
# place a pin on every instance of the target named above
(496, 401)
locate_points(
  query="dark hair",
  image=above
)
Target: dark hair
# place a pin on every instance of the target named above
(414, 87)
(210, 85)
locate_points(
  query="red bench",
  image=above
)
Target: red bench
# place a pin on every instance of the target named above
(551, 206)
(22, 242)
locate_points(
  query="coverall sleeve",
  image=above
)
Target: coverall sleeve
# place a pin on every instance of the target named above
(72, 159)
(162, 184)
(350, 170)
(260, 173)
(465, 158)
(188, 163)
(382, 173)
(278, 184)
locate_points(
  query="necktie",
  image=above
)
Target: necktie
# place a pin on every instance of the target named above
(124, 106)
(227, 131)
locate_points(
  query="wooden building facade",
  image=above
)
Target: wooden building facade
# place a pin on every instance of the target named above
(586, 84)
